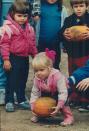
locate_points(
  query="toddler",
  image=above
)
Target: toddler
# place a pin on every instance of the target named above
(49, 81)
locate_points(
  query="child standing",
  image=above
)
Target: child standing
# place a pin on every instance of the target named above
(16, 45)
(50, 82)
(51, 17)
(78, 51)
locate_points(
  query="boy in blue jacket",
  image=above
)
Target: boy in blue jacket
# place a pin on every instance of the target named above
(77, 76)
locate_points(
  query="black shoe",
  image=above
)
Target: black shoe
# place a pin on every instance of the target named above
(24, 105)
(74, 104)
(83, 109)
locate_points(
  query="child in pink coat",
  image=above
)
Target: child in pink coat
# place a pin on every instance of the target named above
(50, 82)
(17, 43)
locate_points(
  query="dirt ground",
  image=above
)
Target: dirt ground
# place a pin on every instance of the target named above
(20, 119)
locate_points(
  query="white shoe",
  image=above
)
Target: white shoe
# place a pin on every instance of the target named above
(34, 119)
(2, 96)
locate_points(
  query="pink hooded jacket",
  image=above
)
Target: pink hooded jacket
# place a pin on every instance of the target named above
(16, 40)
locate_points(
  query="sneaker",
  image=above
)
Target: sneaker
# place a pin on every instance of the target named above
(75, 105)
(2, 96)
(83, 109)
(34, 119)
(88, 106)
(24, 105)
(67, 122)
(9, 107)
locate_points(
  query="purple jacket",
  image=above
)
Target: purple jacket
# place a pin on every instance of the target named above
(17, 40)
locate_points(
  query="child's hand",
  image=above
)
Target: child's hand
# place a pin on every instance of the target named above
(57, 108)
(7, 65)
(85, 35)
(67, 34)
(36, 18)
(83, 85)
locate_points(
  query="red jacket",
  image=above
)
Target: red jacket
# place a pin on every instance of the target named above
(16, 40)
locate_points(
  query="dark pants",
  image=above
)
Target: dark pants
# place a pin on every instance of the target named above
(51, 46)
(84, 94)
(17, 78)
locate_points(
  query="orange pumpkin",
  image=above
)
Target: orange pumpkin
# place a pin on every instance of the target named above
(43, 106)
(77, 31)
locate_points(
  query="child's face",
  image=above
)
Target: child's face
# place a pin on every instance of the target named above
(43, 73)
(79, 9)
(20, 18)
(51, 1)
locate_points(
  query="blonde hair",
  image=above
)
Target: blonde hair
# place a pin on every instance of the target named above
(41, 61)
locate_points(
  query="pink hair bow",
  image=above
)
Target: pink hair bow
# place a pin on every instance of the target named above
(51, 54)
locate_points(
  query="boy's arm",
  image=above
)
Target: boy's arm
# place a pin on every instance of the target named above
(64, 30)
(64, 27)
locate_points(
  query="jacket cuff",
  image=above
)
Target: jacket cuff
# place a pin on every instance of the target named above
(60, 104)
(5, 57)
(35, 53)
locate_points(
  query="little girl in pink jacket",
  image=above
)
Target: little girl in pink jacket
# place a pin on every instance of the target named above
(50, 82)
(17, 43)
